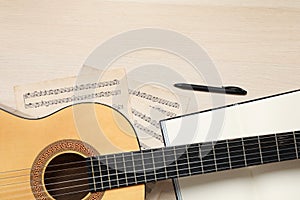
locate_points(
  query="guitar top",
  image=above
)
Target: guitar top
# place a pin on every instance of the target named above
(46, 158)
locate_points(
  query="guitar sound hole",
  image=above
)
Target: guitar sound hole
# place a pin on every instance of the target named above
(66, 177)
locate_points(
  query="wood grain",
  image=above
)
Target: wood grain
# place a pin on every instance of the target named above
(254, 44)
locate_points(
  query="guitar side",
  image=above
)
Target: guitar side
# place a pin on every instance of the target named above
(22, 140)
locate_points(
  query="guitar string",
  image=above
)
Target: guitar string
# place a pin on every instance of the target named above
(133, 171)
(174, 176)
(153, 171)
(225, 153)
(291, 143)
(179, 164)
(195, 162)
(154, 179)
(149, 169)
(184, 147)
(147, 174)
(284, 138)
(126, 185)
(44, 193)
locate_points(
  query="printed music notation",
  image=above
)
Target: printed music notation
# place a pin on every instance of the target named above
(42, 98)
(143, 104)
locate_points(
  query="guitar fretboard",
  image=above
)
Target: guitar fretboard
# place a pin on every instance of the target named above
(131, 168)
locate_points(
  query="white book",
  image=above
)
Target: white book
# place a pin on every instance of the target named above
(270, 115)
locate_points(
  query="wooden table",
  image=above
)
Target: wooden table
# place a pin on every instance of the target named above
(254, 44)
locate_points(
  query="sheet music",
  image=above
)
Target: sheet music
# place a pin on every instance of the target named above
(39, 99)
(148, 105)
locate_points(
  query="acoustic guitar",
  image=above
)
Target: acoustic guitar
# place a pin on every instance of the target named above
(57, 157)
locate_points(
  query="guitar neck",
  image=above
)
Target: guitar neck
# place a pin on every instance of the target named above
(131, 168)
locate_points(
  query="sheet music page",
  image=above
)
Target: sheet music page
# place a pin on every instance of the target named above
(148, 105)
(39, 99)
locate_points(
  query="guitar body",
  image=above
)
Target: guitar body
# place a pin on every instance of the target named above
(28, 146)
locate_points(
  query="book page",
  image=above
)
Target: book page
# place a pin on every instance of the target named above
(266, 116)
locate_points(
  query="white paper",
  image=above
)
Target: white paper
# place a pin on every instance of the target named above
(274, 181)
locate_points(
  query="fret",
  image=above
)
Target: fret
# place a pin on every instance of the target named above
(104, 172)
(182, 160)
(297, 136)
(170, 162)
(97, 174)
(111, 164)
(213, 150)
(153, 165)
(201, 161)
(236, 153)
(252, 150)
(130, 173)
(159, 164)
(221, 155)
(268, 148)
(277, 148)
(139, 167)
(187, 158)
(116, 171)
(244, 151)
(229, 159)
(194, 159)
(208, 158)
(149, 165)
(286, 146)
(124, 164)
(296, 148)
(108, 172)
(165, 165)
(259, 146)
(92, 182)
(175, 161)
(120, 166)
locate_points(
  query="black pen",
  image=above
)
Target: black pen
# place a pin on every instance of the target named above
(224, 90)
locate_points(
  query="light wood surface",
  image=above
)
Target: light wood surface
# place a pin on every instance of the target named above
(254, 44)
